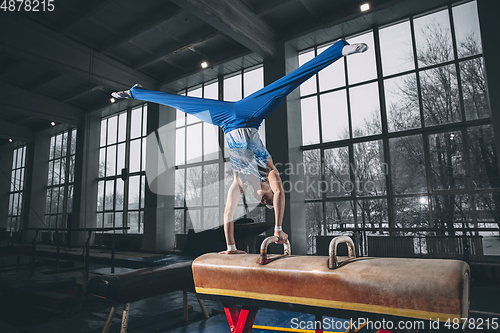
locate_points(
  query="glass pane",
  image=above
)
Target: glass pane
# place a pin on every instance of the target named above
(119, 194)
(211, 91)
(179, 222)
(135, 155)
(362, 67)
(144, 119)
(70, 199)
(309, 86)
(57, 153)
(210, 141)
(122, 127)
(99, 221)
(133, 192)
(48, 202)
(180, 118)
(447, 161)
(72, 169)
(369, 168)
(332, 76)
(253, 81)
(51, 152)
(194, 143)
(57, 173)
(310, 122)
(190, 119)
(210, 218)
(372, 213)
(73, 142)
(112, 129)
(474, 89)
(193, 186)
(396, 48)
(401, 100)
(483, 157)
(334, 116)
(179, 187)
(100, 196)
(337, 172)
(144, 150)
(143, 191)
(412, 212)
(23, 156)
(110, 190)
(180, 146)
(408, 165)
(108, 220)
(51, 170)
(211, 184)
(64, 144)
(488, 210)
(433, 39)
(60, 207)
(339, 214)
(21, 179)
(314, 224)
(467, 31)
(53, 202)
(232, 88)
(102, 162)
(120, 164)
(104, 124)
(365, 110)
(440, 97)
(193, 220)
(111, 161)
(312, 173)
(136, 123)
(133, 222)
(451, 211)
(119, 221)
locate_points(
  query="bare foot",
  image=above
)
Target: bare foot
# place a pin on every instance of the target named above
(354, 48)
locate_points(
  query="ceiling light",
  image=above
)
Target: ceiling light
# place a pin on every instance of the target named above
(10, 140)
(423, 200)
(204, 64)
(112, 99)
(365, 7)
(52, 123)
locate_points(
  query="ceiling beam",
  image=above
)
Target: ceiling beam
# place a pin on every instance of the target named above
(46, 80)
(173, 49)
(80, 93)
(137, 29)
(16, 132)
(87, 13)
(21, 101)
(235, 20)
(309, 6)
(273, 5)
(32, 42)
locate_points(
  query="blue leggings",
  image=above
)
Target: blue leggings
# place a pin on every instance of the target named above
(251, 110)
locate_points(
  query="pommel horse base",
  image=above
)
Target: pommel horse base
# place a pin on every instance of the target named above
(377, 288)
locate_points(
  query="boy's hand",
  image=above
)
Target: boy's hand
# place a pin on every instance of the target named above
(233, 252)
(282, 237)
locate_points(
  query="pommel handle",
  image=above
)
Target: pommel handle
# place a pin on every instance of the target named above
(333, 261)
(263, 248)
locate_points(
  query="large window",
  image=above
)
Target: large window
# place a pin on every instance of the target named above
(122, 164)
(15, 211)
(400, 136)
(203, 173)
(60, 181)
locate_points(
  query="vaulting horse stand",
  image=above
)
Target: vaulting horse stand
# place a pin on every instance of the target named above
(376, 288)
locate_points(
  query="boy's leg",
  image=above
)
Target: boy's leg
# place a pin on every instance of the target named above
(266, 100)
(207, 110)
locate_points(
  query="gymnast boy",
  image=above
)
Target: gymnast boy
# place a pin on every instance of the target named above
(251, 162)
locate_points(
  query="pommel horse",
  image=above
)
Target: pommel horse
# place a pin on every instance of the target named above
(343, 287)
